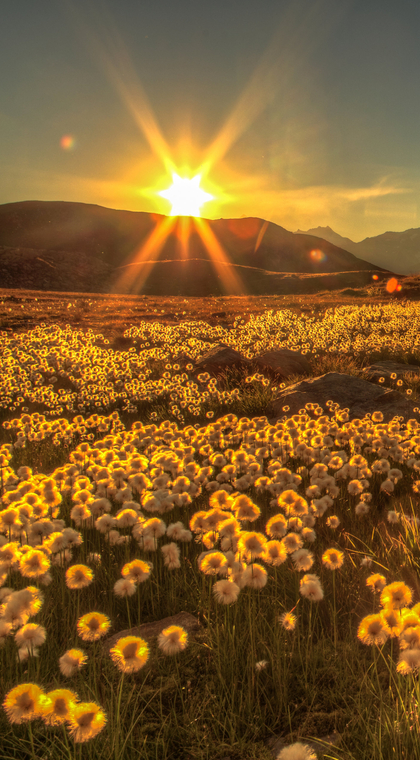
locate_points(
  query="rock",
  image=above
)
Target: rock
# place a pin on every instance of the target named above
(354, 393)
(220, 357)
(148, 631)
(387, 368)
(284, 362)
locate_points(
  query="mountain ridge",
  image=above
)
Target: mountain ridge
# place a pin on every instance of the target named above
(392, 250)
(40, 240)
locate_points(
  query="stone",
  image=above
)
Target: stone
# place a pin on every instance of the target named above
(284, 362)
(387, 368)
(148, 631)
(355, 393)
(219, 358)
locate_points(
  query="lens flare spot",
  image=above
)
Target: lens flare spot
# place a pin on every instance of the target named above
(375, 277)
(68, 142)
(392, 285)
(317, 255)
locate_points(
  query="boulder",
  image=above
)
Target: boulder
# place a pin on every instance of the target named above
(148, 631)
(387, 368)
(355, 393)
(284, 362)
(219, 358)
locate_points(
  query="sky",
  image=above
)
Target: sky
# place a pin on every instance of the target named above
(302, 112)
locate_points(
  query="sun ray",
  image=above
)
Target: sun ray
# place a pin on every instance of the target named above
(135, 274)
(183, 232)
(231, 281)
(286, 54)
(109, 52)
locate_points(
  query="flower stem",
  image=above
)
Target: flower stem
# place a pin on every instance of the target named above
(128, 612)
(117, 717)
(31, 739)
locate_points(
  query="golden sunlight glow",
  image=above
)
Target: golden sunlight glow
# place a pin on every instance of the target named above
(186, 196)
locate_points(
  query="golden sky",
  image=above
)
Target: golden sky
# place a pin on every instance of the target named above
(302, 113)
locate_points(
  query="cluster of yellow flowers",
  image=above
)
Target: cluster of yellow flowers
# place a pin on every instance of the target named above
(395, 620)
(112, 483)
(251, 496)
(66, 370)
(28, 701)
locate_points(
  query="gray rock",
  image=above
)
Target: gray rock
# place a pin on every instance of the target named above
(220, 357)
(284, 362)
(388, 368)
(148, 631)
(355, 393)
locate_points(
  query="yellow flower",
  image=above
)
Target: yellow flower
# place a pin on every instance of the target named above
(274, 553)
(288, 621)
(57, 706)
(376, 582)
(213, 563)
(276, 526)
(198, 522)
(30, 635)
(130, 654)
(372, 630)
(245, 509)
(409, 638)
(292, 542)
(392, 621)
(296, 508)
(72, 661)
(173, 639)
(9, 553)
(137, 570)
(33, 564)
(86, 720)
(251, 544)
(79, 576)
(24, 702)
(333, 559)
(396, 595)
(408, 661)
(92, 626)
(409, 617)
(255, 576)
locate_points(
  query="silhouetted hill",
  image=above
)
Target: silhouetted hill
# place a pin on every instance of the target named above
(82, 247)
(397, 251)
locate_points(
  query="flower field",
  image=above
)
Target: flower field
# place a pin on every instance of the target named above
(134, 488)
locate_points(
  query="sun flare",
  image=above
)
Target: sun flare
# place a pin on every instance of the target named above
(186, 196)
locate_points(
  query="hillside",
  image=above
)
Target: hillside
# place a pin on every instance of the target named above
(80, 247)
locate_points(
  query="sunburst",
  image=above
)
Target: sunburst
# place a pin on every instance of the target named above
(186, 196)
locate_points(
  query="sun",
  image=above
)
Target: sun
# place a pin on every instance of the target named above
(186, 196)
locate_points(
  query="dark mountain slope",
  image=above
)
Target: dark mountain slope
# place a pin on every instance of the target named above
(44, 243)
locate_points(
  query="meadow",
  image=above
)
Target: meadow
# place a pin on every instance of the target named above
(134, 487)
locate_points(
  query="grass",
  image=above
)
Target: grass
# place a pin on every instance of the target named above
(244, 679)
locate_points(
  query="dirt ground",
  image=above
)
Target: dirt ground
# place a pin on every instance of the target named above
(21, 310)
